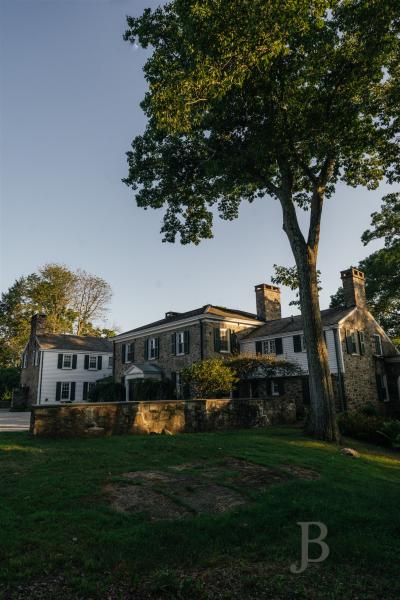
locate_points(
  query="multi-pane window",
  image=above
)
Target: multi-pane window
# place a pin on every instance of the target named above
(91, 386)
(269, 347)
(110, 362)
(67, 361)
(93, 362)
(180, 342)
(224, 340)
(129, 352)
(361, 342)
(351, 342)
(378, 344)
(153, 347)
(65, 387)
(275, 388)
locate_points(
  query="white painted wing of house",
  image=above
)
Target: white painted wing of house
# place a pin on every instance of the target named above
(51, 374)
(299, 358)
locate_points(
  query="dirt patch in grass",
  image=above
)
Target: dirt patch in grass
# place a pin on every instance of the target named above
(196, 488)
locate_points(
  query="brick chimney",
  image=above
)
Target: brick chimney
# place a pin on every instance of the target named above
(38, 324)
(268, 299)
(354, 287)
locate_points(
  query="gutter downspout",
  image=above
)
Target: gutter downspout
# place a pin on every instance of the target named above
(342, 395)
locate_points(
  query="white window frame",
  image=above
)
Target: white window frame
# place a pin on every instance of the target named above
(110, 362)
(91, 356)
(269, 347)
(68, 384)
(64, 366)
(224, 335)
(377, 336)
(128, 349)
(152, 348)
(180, 343)
(274, 388)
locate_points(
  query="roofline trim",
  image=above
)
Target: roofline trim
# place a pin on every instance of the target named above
(178, 323)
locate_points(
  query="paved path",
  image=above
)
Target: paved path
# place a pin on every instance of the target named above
(14, 421)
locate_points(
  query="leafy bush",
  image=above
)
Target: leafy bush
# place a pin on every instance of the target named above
(370, 410)
(363, 427)
(106, 390)
(9, 380)
(264, 366)
(209, 378)
(391, 431)
(151, 389)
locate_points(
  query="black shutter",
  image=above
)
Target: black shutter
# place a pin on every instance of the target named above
(123, 352)
(60, 361)
(258, 347)
(297, 343)
(72, 395)
(86, 365)
(58, 390)
(217, 339)
(278, 346)
(99, 362)
(173, 344)
(74, 361)
(157, 349)
(349, 343)
(269, 387)
(186, 341)
(233, 342)
(85, 390)
(281, 387)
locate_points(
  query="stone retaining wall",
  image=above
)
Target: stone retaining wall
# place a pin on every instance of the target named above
(175, 416)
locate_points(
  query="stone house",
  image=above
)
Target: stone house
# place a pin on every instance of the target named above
(60, 368)
(162, 349)
(363, 361)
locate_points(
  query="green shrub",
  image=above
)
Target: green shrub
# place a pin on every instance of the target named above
(363, 427)
(370, 410)
(209, 378)
(107, 390)
(152, 389)
(9, 380)
(391, 431)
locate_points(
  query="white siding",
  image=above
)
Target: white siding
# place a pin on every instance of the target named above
(50, 374)
(299, 358)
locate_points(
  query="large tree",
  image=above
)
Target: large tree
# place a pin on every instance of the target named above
(256, 98)
(72, 301)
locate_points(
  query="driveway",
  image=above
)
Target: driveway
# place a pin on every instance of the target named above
(14, 421)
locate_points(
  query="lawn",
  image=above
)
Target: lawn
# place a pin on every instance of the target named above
(60, 536)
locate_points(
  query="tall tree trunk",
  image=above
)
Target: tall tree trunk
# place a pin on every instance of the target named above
(322, 423)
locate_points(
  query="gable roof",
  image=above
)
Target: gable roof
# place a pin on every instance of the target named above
(220, 311)
(330, 316)
(52, 341)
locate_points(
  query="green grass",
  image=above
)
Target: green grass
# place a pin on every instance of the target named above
(54, 518)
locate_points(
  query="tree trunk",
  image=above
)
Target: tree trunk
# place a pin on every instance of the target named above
(322, 423)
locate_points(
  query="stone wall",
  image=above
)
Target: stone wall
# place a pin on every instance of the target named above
(30, 374)
(360, 371)
(170, 416)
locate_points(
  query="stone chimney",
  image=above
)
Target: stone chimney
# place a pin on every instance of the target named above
(38, 324)
(268, 299)
(354, 287)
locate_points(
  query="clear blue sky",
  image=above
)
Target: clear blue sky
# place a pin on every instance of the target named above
(70, 93)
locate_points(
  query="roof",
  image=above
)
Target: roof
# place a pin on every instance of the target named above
(330, 316)
(52, 341)
(206, 309)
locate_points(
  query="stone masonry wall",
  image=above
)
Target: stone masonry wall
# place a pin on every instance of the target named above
(167, 361)
(360, 371)
(170, 417)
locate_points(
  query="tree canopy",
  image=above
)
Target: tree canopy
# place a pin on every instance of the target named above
(256, 98)
(72, 301)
